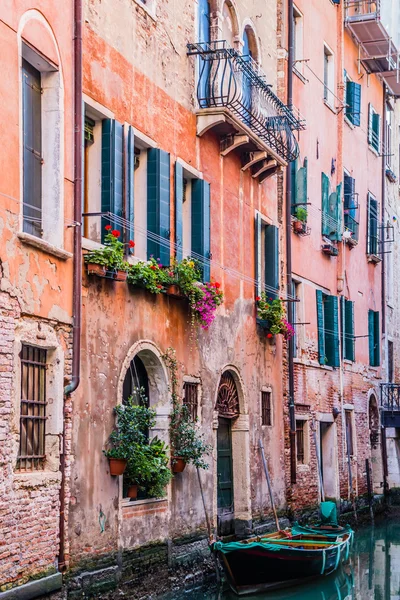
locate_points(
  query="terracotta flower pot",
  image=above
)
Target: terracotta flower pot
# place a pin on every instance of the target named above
(178, 464)
(132, 491)
(120, 275)
(95, 269)
(117, 466)
(173, 290)
(298, 226)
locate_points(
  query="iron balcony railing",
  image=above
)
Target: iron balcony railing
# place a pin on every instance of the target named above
(390, 396)
(236, 82)
(362, 9)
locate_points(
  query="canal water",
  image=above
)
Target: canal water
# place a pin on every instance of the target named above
(373, 572)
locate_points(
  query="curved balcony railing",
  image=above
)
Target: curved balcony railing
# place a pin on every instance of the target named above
(228, 79)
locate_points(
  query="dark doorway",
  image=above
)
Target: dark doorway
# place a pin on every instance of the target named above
(136, 377)
(328, 458)
(225, 503)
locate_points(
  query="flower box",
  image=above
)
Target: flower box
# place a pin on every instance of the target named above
(95, 269)
(174, 290)
(330, 249)
(119, 275)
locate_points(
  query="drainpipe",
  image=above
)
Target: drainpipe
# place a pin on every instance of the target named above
(77, 256)
(383, 283)
(292, 416)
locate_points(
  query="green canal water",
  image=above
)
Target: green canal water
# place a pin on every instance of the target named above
(373, 572)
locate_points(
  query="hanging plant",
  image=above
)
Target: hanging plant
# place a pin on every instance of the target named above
(272, 312)
(110, 257)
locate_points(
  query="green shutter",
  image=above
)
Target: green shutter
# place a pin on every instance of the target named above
(201, 224)
(321, 327)
(331, 314)
(178, 210)
(338, 214)
(372, 226)
(130, 180)
(353, 101)
(349, 352)
(376, 126)
(293, 187)
(158, 205)
(112, 168)
(301, 185)
(371, 337)
(377, 339)
(272, 260)
(370, 124)
(342, 325)
(326, 221)
(258, 253)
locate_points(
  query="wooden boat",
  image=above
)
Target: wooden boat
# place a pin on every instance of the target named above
(279, 560)
(331, 531)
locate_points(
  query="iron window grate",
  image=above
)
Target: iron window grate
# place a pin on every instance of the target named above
(190, 398)
(300, 442)
(31, 454)
(266, 414)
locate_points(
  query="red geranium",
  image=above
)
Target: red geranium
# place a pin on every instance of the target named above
(258, 298)
(116, 233)
(107, 227)
(159, 287)
(217, 285)
(131, 244)
(269, 335)
(153, 267)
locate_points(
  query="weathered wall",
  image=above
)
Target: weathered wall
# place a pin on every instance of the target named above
(35, 294)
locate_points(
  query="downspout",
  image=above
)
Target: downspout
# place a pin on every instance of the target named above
(77, 257)
(383, 286)
(292, 416)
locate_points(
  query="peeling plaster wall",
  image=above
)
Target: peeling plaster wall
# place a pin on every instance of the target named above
(35, 295)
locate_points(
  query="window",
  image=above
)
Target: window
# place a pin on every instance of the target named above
(192, 217)
(352, 101)
(374, 129)
(351, 218)
(328, 329)
(374, 338)
(390, 362)
(299, 193)
(331, 213)
(190, 398)
(388, 138)
(267, 257)
(373, 237)
(300, 442)
(349, 432)
(32, 153)
(329, 76)
(298, 40)
(296, 316)
(31, 455)
(266, 409)
(347, 330)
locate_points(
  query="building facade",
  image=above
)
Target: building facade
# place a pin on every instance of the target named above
(36, 196)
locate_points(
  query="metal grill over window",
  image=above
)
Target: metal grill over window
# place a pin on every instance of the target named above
(190, 398)
(266, 416)
(31, 454)
(349, 432)
(300, 442)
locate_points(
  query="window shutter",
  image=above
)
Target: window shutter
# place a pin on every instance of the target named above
(201, 224)
(204, 66)
(372, 234)
(349, 352)
(353, 100)
(342, 325)
(332, 330)
(370, 126)
(339, 213)
(321, 327)
(130, 179)
(258, 253)
(112, 171)
(293, 169)
(377, 339)
(371, 337)
(301, 185)
(272, 260)
(326, 221)
(376, 127)
(158, 205)
(178, 210)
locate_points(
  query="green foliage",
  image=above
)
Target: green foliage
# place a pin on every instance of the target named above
(112, 253)
(186, 440)
(301, 214)
(147, 459)
(272, 310)
(148, 275)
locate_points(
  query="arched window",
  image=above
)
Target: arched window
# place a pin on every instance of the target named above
(228, 25)
(136, 378)
(203, 67)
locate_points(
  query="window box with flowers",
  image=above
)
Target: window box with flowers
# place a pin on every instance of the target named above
(271, 316)
(108, 261)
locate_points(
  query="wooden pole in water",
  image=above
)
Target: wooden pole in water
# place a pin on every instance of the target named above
(208, 523)
(260, 444)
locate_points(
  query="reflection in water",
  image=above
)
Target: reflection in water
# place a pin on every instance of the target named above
(373, 573)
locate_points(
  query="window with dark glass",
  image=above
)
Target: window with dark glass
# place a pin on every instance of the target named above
(266, 409)
(300, 442)
(31, 455)
(349, 432)
(373, 226)
(190, 398)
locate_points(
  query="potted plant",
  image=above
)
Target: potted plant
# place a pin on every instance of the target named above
(109, 258)
(271, 316)
(204, 302)
(181, 277)
(187, 443)
(301, 219)
(148, 275)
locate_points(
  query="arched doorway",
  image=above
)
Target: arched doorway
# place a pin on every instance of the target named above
(375, 442)
(228, 409)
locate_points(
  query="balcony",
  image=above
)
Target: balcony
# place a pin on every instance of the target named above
(373, 23)
(237, 103)
(390, 404)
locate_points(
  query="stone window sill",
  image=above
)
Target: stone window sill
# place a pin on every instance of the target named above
(126, 502)
(374, 150)
(331, 108)
(299, 75)
(36, 478)
(31, 240)
(349, 123)
(146, 10)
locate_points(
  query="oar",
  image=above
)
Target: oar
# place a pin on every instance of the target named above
(321, 481)
(268, 482)
(210, 536)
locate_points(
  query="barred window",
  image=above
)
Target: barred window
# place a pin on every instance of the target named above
(266, 411)
(300, 445)
(190, 397)
(31, 454)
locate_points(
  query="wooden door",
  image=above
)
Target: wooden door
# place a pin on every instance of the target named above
(225, 502)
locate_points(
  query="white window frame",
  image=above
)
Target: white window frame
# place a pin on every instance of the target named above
(298, 36)
(306, 463)
(267, 389)
(329, 82)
